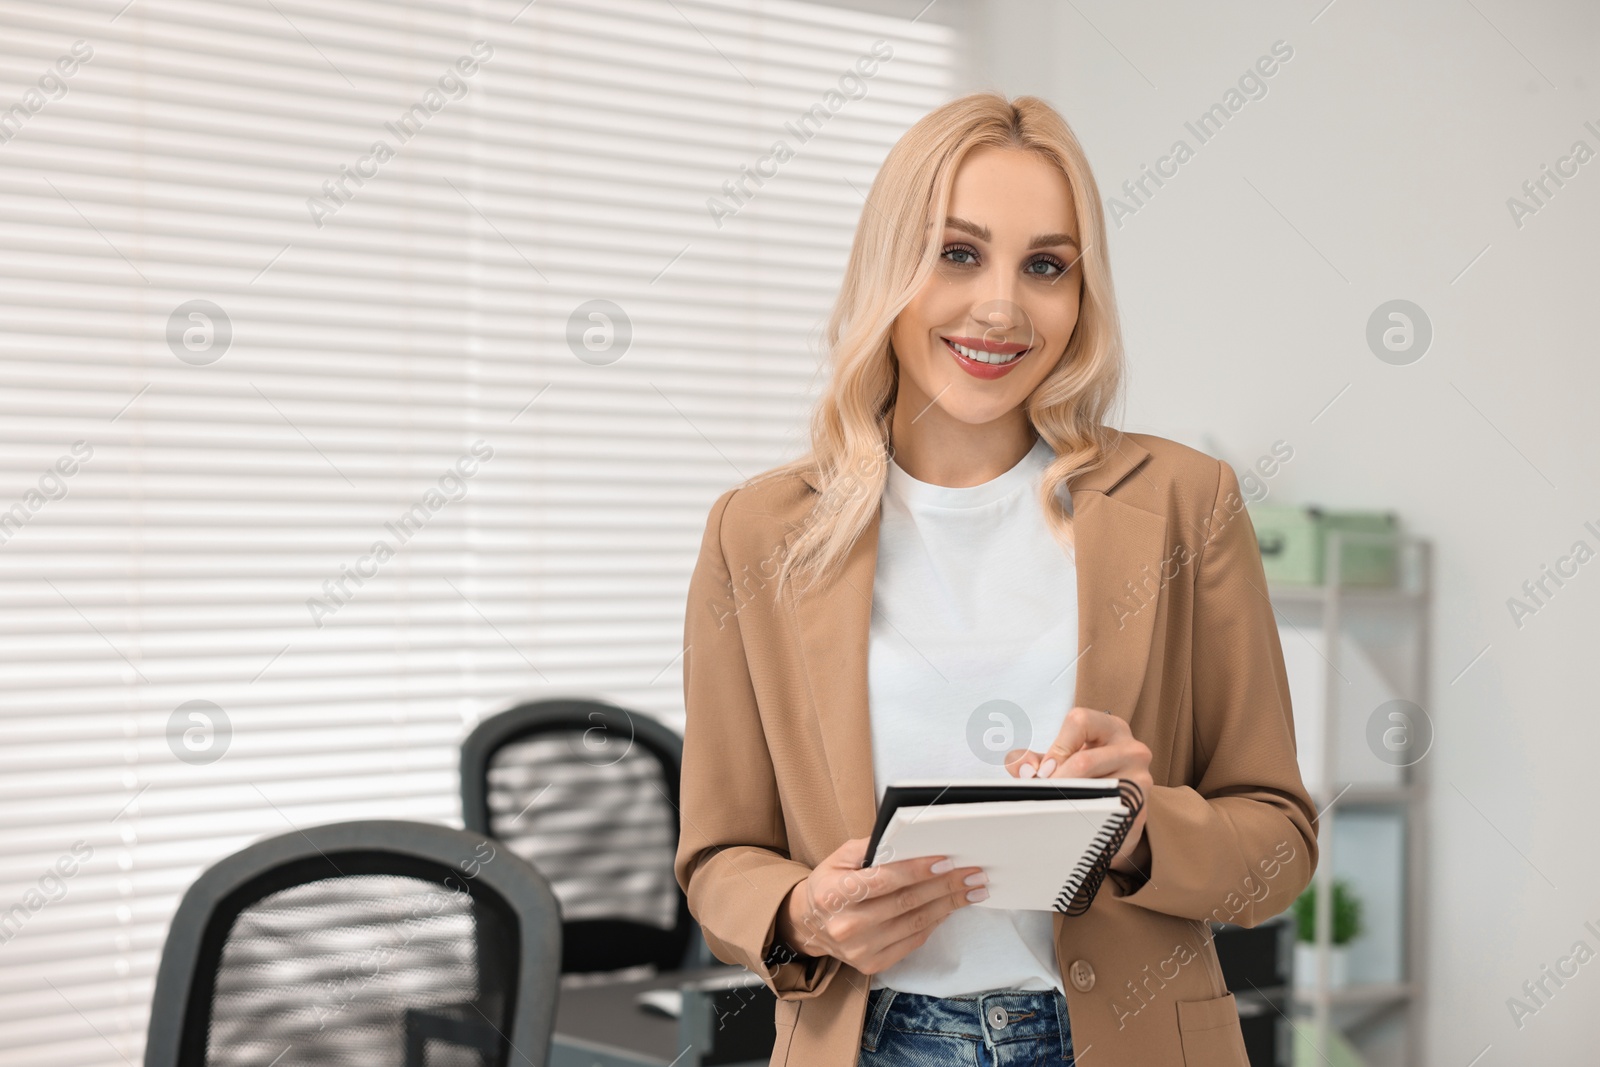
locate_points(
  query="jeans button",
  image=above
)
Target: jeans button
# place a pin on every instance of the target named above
(998, 1017)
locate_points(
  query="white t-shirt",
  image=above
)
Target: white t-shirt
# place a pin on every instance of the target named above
(974, 633)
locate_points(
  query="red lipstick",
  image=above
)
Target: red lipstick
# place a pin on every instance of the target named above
(986, 371)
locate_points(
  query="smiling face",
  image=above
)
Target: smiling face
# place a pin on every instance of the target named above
(994, 317)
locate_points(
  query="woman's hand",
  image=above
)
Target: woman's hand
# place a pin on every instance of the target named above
(873, 917)
(1094, 744)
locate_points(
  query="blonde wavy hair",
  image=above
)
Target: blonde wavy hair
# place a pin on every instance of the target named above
(910, 196)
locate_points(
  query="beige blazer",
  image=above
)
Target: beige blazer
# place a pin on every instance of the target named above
(1175, 634)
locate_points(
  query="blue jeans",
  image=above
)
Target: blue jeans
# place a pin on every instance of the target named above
(995, 1028)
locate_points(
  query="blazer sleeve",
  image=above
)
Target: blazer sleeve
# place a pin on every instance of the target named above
(1240, 843)
(732, 858)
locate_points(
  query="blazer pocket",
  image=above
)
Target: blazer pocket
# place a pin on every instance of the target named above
(1210, 1033)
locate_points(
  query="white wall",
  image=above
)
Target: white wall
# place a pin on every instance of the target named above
(1378, 166)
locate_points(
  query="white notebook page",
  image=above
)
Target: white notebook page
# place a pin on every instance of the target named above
(1028, 848)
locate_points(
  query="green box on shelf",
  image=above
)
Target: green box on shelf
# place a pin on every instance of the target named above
(1294, 541)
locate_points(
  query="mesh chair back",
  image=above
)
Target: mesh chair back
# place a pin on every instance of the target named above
(588, 793)
(603, 833)
(338, 948)
(333, 971)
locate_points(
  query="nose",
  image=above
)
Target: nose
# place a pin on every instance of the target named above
(1001, 288)
(1001, 318)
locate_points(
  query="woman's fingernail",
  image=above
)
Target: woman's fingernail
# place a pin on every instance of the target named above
(1048, 766)
(943, 865)
(979, 893)
(1026, 772)
(977, 878)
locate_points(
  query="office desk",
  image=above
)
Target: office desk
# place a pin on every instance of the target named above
(726, 1021)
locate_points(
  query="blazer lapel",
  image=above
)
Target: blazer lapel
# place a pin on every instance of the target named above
(1118, 551)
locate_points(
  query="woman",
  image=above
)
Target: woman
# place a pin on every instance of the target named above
(972, 575)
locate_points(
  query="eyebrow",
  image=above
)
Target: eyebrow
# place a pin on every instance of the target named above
(1044, 240)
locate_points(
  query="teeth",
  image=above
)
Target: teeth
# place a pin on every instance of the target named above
(978, 356)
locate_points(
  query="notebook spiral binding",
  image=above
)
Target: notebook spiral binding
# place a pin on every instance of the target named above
(1079, 890)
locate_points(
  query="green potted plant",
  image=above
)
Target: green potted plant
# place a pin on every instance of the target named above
(1347, 926)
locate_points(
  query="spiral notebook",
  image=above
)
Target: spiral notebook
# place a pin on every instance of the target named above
(1045, 843)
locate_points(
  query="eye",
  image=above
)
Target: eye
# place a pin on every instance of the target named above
(1050, 261)
(959, 249)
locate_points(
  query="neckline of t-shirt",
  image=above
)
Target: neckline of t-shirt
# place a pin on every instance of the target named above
(909, 489)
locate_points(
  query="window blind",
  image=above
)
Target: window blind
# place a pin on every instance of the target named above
(368, 368)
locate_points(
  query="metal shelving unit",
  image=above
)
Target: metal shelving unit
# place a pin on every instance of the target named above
(1366, 1003)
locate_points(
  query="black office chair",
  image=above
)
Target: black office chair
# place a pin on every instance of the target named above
(588, 793)
(361, 943)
